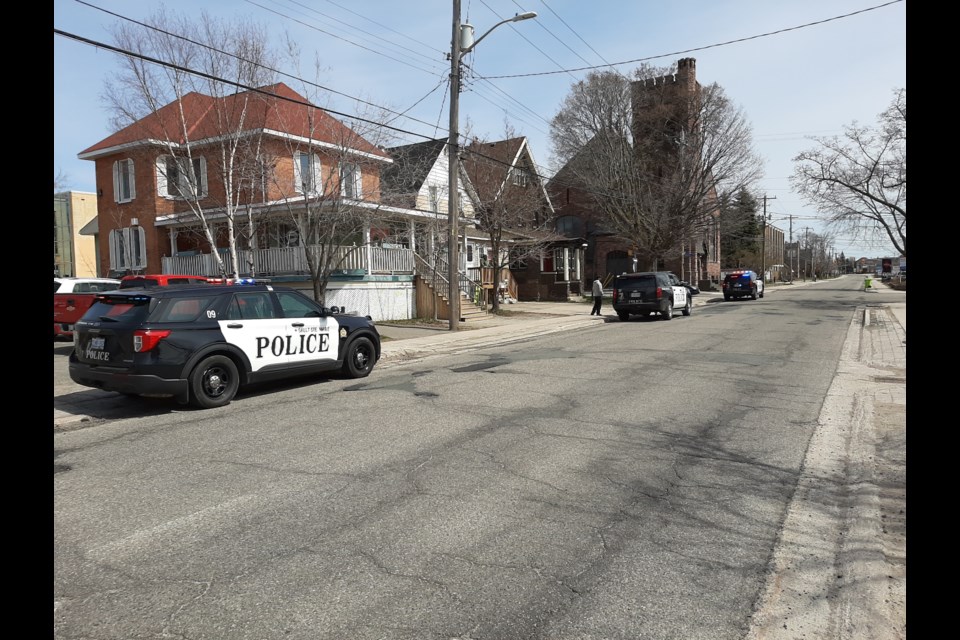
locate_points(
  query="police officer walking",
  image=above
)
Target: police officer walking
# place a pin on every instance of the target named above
(597, 297)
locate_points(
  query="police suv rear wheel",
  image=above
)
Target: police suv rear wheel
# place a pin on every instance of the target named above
(668, 312)
(360, 358)
(214, 382)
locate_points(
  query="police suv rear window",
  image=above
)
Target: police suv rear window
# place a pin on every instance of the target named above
(118, 309)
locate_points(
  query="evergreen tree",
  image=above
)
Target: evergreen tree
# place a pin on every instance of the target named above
(740, 232)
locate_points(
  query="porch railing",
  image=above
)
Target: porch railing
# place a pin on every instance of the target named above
(293, 261)
(438, 271)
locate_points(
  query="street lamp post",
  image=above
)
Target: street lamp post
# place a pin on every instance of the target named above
(462, 43)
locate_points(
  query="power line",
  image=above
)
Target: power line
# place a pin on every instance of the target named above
(239, 85)
(710, 46)
(277, 71)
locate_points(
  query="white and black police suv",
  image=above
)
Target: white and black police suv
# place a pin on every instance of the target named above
(200, 344)
(659, 292)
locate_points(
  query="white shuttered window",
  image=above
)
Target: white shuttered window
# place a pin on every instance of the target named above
(124, 188)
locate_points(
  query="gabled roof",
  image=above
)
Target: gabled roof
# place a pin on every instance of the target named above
(275, 109)
(411, 166)
(488, 164)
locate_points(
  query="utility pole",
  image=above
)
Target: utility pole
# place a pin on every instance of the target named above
(453, 196)
(796, 251)
(763, 258)
(461, 43)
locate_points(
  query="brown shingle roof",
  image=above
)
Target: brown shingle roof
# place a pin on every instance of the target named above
(276, 107)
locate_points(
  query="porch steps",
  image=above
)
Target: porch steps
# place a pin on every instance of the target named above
(468, 309)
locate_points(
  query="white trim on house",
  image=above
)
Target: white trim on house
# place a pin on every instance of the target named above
(250, 132)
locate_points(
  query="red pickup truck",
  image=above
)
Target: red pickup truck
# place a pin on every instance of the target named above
(71, 299)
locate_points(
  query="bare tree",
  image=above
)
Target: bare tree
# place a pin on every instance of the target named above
(656, 160)
(59, 181)
(860, 178)
(205, 58)
(512, 208)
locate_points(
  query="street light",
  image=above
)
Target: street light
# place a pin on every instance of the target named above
(462, 43)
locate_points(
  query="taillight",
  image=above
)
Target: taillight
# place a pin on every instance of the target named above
(659, 292)
(145, 340)
(615, 294)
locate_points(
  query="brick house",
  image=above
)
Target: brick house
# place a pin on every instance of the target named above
(607, 255)
(510, 189)
(154, 175)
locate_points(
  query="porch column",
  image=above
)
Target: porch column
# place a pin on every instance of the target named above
(367, 249)
(413, 235)
(172, 233)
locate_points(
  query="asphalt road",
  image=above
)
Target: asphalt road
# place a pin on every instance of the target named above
(626, 480)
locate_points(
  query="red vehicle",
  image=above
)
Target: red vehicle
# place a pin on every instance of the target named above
(161, 280)
(71, 299)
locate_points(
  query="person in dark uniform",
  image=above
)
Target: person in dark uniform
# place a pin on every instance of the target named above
(597, 297)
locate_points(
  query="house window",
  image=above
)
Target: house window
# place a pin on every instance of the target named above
(306, 170)
(570, 226)
(124, 188)
(181, 177)
(560, 261)
(470, 253)
(520, 177)
(350, 180)
(518, 259)
(128, 249)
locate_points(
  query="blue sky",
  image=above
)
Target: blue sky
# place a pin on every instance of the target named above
(796, 69)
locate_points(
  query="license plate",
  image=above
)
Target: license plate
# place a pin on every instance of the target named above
(636, 294)
(96, 343)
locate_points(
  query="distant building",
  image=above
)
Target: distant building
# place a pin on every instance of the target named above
(74, 254)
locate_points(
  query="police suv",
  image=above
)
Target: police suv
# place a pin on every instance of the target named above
(200, 344)
(742, 283)
(660, 292)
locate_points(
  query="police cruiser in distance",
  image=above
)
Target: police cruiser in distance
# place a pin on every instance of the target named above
(201, 344)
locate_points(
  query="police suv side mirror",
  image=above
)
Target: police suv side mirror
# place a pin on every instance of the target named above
(334, 309)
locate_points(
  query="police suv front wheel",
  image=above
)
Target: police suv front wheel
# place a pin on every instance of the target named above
(214, 382)
(360, 357)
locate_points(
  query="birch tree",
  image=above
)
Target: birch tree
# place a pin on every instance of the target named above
(859, 179)
(204, 142)
(333, 198)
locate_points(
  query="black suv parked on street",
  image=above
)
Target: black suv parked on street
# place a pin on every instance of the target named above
(200, 343)
(651, 292)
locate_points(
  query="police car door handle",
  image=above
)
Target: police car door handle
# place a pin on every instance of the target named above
(234, 325)
(297, 324)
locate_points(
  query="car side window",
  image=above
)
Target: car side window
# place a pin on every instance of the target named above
(297, 306)
(255, 305)
(181, 309)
